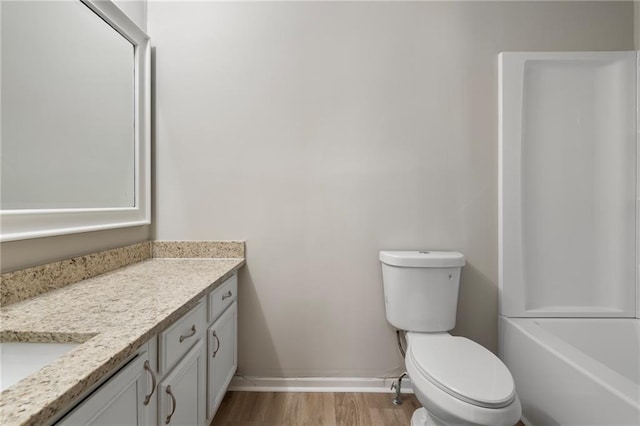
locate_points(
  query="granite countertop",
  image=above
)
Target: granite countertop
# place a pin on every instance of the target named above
(112, 315)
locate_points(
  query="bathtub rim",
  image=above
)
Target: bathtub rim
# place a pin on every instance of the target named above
(614, 382)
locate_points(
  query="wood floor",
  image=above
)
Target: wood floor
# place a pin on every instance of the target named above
(307, 409)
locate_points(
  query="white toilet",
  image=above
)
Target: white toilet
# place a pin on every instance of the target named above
(457, 381)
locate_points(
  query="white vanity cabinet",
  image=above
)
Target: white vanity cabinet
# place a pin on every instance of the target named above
(182, 389)
(179, 377)
(182, 392)
(127, 398)
(222, 357)
(222, 343)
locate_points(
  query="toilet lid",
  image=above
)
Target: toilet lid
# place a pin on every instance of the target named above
(463, 369)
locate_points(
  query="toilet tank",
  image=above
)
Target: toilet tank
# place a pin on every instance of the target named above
(421, 289)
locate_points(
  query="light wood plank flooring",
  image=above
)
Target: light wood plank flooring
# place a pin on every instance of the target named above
(307, 409)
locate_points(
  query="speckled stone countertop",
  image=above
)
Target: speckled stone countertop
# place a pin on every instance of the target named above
(112, 315)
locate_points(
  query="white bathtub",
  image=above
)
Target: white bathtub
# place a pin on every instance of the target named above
(574, 371)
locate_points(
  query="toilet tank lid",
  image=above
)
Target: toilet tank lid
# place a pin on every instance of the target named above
(423, 258)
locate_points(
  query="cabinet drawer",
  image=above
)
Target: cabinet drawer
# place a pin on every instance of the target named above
(176, 340)
(222, 297)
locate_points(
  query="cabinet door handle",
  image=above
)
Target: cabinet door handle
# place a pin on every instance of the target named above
(217, 345)
(173, 399)
(153, 382)
(191, 333)
(228, 295)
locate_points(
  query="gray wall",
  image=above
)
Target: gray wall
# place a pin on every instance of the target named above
(25, 253)
(637, 24)
(136, 10)
(324, 132)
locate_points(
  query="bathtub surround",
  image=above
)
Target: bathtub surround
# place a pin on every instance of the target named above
(324, 132)
(568, 184)
(568, 235)
(26, 283)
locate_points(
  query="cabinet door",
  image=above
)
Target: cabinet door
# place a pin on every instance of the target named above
(182, 392)
(121, 400)
(222, 357)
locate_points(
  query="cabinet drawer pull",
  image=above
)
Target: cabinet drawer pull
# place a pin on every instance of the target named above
(217, 345)
(173, 410)
(153, 382)
(228, 295)
(191, 333)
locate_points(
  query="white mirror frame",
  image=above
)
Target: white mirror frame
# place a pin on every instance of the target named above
(36, 223)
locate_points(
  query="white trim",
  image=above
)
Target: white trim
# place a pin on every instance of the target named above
(317, 384)
(26, 224)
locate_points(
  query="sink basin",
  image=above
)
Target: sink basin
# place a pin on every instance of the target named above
(19, 360)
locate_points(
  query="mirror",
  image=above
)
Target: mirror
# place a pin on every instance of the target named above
(74, 153)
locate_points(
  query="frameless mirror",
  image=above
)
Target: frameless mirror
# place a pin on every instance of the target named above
(74, 153)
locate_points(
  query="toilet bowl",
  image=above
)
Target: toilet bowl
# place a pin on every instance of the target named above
(459, 382)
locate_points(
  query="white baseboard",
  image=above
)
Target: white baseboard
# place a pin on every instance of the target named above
(317, 384)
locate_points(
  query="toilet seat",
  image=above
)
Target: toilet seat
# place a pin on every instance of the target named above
(462, 369)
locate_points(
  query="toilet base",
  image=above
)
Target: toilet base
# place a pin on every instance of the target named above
(421, 417)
